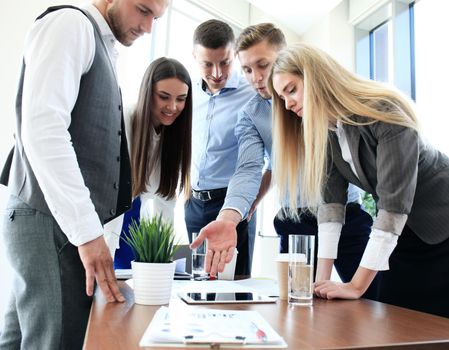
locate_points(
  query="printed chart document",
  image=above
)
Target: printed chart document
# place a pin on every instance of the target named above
(232, 328)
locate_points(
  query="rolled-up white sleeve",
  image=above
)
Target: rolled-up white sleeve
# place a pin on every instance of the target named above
(328, 238)
(378, 250)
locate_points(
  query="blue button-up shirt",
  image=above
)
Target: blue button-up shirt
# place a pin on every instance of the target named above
(254, 134)
(214, 144)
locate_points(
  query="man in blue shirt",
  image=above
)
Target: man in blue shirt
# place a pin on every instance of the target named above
(217, 97)
(257, 48)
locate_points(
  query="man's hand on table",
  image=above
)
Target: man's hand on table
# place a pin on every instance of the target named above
(97, 262)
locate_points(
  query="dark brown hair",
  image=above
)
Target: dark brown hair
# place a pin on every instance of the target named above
(175, 146)
(213, 34)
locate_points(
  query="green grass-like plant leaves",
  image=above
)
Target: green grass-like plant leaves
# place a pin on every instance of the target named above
(152, 241)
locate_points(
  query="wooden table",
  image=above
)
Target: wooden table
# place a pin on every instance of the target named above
(337, 324)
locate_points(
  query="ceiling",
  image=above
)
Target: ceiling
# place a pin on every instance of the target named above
(298, 15)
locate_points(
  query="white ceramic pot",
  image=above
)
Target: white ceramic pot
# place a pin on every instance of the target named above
(152, 282)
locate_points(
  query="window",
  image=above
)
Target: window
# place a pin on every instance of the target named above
(399, 44)
(431, 72)
(384, 45)
(381, 53)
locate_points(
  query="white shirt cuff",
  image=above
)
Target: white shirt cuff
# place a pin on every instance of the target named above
(237, 210)
(328, 237)
(378, 250)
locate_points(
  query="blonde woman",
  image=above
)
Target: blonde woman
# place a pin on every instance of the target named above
(332, 128)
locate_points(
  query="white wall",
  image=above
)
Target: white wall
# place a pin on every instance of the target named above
(359, 9)
(242, 14)
(258, 16)
(236, 11)
(335, 35)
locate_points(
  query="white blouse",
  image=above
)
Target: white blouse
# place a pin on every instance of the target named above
(152, 204)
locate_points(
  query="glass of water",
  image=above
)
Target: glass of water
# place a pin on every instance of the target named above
(301, 249)
(199, 258)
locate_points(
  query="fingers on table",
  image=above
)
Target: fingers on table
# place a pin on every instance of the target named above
(107, 282)
(112, 283)
(215, 262)
(90, 278)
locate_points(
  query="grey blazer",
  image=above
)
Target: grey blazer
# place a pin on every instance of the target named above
(408, 179)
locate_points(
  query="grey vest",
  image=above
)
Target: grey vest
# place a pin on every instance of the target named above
(98, 137)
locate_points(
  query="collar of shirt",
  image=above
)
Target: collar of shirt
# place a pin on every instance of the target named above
(353, 196)
(232, 83)
(338, 128)
(214, 145)
(106, 33)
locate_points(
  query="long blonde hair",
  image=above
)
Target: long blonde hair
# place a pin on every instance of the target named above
(331, 93)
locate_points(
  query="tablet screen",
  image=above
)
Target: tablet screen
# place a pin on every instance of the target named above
(219, 298)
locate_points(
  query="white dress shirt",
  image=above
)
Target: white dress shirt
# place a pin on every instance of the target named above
(59, 49)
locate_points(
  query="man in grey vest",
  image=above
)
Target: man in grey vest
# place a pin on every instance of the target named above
(70, 173)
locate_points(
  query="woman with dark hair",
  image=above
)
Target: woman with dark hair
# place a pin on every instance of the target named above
(159, 133)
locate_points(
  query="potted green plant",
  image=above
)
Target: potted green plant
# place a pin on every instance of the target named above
(153, 244)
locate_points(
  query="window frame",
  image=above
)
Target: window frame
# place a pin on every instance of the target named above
(400, 13)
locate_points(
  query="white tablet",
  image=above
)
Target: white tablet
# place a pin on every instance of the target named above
(225, 298)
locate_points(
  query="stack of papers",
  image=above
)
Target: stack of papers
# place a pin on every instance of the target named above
(123, 274)
(209, 326)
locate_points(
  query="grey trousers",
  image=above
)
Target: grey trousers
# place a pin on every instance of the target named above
(48, 307)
